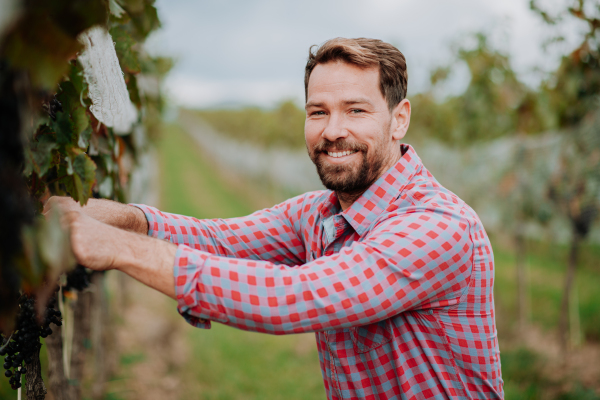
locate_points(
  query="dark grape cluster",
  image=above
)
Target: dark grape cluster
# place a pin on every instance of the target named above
(19, 349)
(78, 279)
(52, 107)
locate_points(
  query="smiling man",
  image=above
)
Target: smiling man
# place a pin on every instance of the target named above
(393, 272)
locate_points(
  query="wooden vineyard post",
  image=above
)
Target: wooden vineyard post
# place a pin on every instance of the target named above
(57, 381)
(36, 390)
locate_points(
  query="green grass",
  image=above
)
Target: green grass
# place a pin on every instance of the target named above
(546, 271)
(226, 363)
(192, 186)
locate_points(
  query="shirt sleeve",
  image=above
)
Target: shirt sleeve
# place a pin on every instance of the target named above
(269, 235)
(414, 261)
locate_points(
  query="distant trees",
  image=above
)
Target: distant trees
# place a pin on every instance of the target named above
(575, 184)
(281, 126)
(494, 104)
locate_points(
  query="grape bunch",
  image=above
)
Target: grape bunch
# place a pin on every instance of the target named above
(78, 279)
(19, 349)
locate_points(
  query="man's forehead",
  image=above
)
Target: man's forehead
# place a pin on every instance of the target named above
(355, 84)
(341, 69)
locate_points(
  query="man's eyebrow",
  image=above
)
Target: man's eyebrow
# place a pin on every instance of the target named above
(359, 100)
(313, 104)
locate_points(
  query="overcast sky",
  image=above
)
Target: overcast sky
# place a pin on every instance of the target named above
(254, 51)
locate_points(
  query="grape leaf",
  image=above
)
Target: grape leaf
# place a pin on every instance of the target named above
(39, 154)
(63, 126)
(81, 171)
(73, 120)
(124, 44)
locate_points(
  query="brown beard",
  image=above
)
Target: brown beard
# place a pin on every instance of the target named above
(348, 181)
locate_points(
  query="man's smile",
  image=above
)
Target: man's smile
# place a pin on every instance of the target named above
(338, 157)
(340, 153)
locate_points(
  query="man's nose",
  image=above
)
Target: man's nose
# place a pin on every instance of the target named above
(335, 128)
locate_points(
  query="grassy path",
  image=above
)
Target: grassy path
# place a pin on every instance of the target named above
(225, 363)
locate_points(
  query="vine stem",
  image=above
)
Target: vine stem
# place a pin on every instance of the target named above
(68, 344)
(61, 307)
(55, 179)
(7, 341)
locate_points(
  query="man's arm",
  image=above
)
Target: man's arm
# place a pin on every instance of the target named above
(99, 246)
(110, 212)
(416, 261)
(273, 234)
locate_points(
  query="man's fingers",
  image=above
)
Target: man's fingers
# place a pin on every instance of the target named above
(63, 202)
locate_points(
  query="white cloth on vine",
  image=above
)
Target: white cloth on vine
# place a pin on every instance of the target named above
(107, 90)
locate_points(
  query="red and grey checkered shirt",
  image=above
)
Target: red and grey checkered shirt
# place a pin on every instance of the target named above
(397, 288)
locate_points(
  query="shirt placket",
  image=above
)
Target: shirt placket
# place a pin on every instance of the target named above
(332, 230)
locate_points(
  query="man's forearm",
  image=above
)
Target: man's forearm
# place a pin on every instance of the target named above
(117, 214)
(99, 246)
(147, 260)
(110, 212)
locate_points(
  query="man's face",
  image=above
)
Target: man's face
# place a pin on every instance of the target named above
(348, 127)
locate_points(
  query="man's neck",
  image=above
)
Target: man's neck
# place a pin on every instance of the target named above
(347, 199)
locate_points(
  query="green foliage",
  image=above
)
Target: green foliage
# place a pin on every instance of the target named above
(67, 151)
(573, 94)
(45, 37)
(494, 104)
(282, 126)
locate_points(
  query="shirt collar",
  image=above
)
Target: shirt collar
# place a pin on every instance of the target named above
(380, 195)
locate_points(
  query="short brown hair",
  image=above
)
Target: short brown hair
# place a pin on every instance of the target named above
(365, 53)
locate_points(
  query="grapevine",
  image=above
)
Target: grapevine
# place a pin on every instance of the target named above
(20, 347)
(59, 138)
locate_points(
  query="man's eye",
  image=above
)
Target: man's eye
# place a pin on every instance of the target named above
(317, 113)
(357, 111)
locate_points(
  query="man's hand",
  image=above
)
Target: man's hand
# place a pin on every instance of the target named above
(110, 212)
(100, 247)
(94, 244)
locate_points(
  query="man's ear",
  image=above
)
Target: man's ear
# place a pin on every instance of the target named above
(400, 119)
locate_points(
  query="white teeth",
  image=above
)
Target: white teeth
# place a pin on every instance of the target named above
(340, 154)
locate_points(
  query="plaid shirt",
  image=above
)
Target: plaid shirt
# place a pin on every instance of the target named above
(397, 288)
